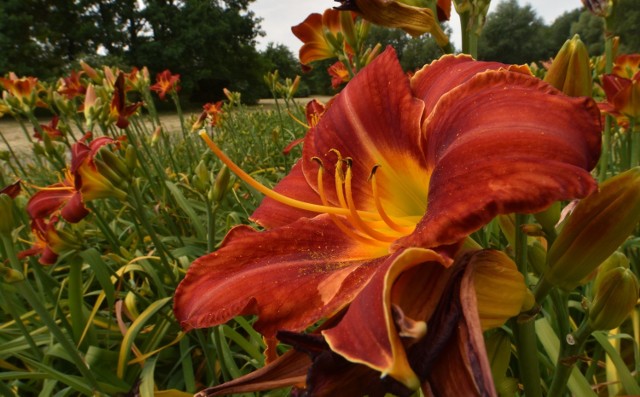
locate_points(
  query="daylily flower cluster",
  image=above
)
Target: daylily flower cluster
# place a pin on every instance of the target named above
(335, 34)
(368, 234)
(622, 87)
(67, 200)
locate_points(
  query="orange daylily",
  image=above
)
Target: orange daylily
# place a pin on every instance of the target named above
(22, 90)
(50, 129)
(49, 243)
(119, 110)
(166, 83)
(72, 86)
(339, 74)
(622, 86)
(312, 33)
(366, 231)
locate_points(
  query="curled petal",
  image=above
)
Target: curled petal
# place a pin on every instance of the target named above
(501, 143)
(290, 289)
(378, 345)
(375, 120)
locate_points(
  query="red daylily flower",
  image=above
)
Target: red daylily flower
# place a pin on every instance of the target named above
(120, 111)
(623, 86)
(72, 86)
(166, 83)
(339, 74)
(312, 33)
(50, 129)
(12, 190)
(49, 243)
(83, 182)
(396, 174)
(313, 111)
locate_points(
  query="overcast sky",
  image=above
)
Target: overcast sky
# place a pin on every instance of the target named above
(279, 15)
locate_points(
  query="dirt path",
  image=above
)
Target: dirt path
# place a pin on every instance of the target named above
(14, 134)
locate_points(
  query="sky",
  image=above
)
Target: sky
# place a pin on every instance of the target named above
(278, 16)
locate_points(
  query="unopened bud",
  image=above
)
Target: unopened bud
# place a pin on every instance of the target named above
(106, 171)
(221, 184)
(201, 177)
(596, 228)
(570, 71)
(531, 229)
(617, 259)
(115, 162)
(10, 275)
(130, 158)
(615, 296)
(549, 218)
(537, 256)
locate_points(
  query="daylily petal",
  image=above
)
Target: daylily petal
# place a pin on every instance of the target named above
(44, 202)
(311, 33)
(290, 289)
(504, 142)
(462, 367)
(378, 345)
(448, 72)
(272, 214)
(374, 120)
(74, 210)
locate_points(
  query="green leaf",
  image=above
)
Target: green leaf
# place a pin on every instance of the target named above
(102, 273)
(196, 221)
(578, 384)
(628, 382)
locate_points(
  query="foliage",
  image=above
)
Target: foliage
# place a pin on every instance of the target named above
(514, 34)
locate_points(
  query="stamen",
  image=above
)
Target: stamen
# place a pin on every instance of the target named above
(339, 179)
(355, 218)
(381, 211)
(270, 193)
(346, 230)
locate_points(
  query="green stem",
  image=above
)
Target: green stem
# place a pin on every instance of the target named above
(606, 137)
(76, 298)
(570, 347)
(464, 26)
(211, 225)
(11, 308)
(163, 253)
(15, 157)
(185, 135)
(30, 296)
(524, 332)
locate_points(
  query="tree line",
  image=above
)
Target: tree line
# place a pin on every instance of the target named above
(212, 43)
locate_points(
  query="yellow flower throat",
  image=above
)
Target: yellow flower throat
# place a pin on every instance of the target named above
(368, 227)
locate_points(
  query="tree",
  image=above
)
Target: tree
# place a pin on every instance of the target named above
(560, 29)
(413, 53)
(514, 34)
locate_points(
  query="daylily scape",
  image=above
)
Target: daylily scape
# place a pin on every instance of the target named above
(369, 231)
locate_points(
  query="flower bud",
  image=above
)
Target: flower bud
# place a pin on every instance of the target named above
(498, 344)
(570, 71)
(500, 288)
(201, 177)
(615, 297)
(596, 228)
(617, 259)
(130, 158)
(9, 275)
(221, 184)
(115, 162)
(549, 218)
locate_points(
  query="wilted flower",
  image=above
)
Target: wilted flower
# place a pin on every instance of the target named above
(119, 110)
(366, 229)
(415, 20)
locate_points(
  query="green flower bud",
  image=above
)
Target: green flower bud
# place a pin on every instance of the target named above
(617, 259)
(615, 296)
(596, 228)
(9, 275)
(570, 71)
(537, 256)
(130, 157)
(221, 184)
(115, 162)
(549, 218)
(108, 172)
(201, 177)
(498, 344)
